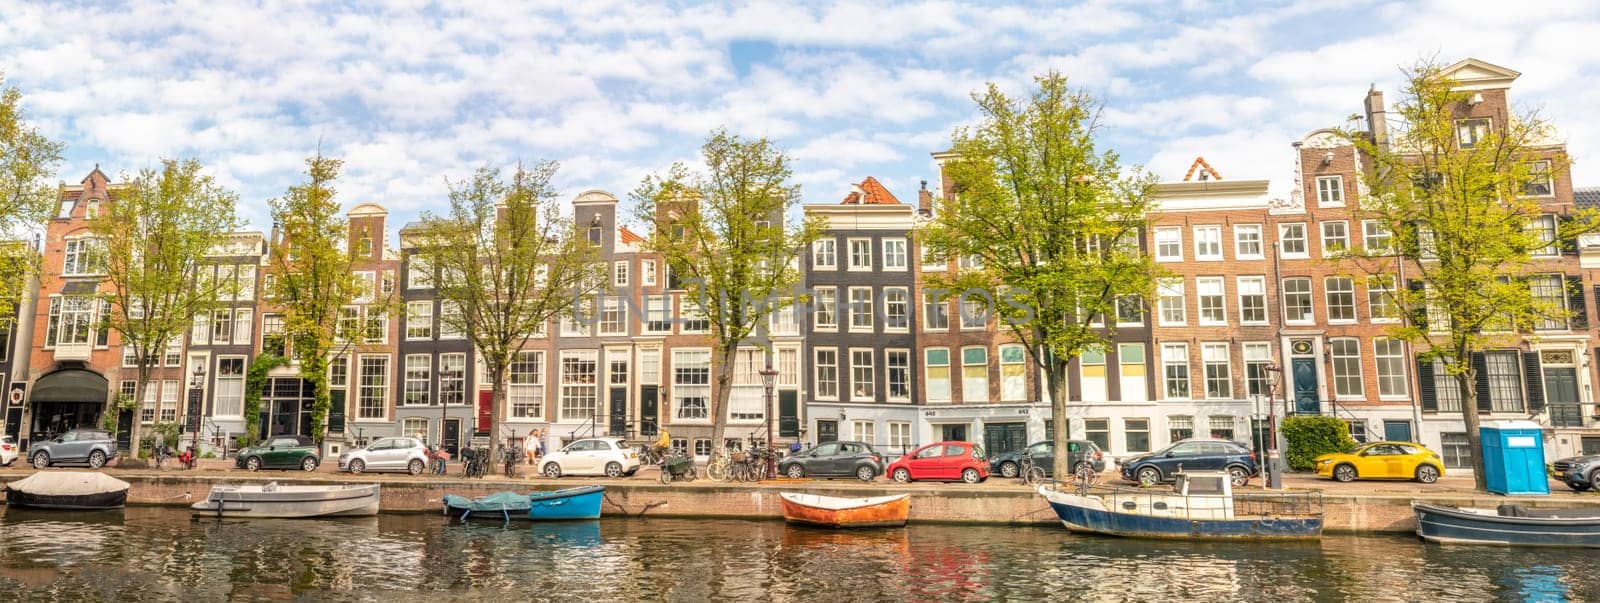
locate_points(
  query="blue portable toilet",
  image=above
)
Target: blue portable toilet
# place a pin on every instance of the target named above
(1513, 457)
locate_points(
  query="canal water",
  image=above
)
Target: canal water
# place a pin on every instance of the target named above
(158, 554)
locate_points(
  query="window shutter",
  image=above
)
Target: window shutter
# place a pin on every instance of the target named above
(1533, 380)
(1419, 308)
(1580, 314)
(1425, 387)
(1480, 365)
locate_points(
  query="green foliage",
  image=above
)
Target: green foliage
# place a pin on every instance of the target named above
(109, 419)
(164, 431)
(28, 160)
(254, 382)
(1309, 437)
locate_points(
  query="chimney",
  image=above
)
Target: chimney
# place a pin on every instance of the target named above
(925, 200)
(1376, 124)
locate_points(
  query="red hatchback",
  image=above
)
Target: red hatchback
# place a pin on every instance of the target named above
(942, 461)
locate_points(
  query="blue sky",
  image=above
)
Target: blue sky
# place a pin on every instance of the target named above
(410, 93)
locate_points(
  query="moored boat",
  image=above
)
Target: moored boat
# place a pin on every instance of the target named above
(572, 503)
(273, 500)
(70, 490)
(500, 505)
(1200, 506)
(835, 512)
(1509, 525)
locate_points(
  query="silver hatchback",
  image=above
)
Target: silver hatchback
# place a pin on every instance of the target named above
(409, 455)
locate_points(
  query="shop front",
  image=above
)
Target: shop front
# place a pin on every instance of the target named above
(65, 399)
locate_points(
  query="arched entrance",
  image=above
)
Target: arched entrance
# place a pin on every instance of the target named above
(66, 399)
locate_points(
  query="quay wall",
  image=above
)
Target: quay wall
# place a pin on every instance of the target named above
(991, 504)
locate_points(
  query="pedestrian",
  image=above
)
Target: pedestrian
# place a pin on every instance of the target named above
(441, 457)
(530, 447)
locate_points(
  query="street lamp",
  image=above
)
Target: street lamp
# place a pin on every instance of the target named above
(769, 378)
(196, 383)
(1273, 469)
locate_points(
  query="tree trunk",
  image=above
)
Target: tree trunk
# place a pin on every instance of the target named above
(1467, 382)
(497, 403)
(719, 398)
(1056, 380)
(315, 370)
(141, 382)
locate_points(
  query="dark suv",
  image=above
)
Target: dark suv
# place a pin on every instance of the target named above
(90, 447)
(1204, 455)
(834, 459)
(1578, 472)
(1079, 453)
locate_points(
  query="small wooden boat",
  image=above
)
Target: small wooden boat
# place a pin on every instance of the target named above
(571, 503)
(1200, 506)
(500, 505)
(834, 512)
(72, 490)
(1509, 525)
(273, 500)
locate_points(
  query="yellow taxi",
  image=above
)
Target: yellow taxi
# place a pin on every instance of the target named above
(1382, 460)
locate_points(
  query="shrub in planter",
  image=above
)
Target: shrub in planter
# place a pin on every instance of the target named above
(1309, 437)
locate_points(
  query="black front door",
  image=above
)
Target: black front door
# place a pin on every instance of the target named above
(1306, 400)
(1000, 438)
(285, 417)
(649, 409)
(124, 429)
(788, 413)
(619, 411)
(1561, 395)
(827, 431)
(452, 436)
(953, 433)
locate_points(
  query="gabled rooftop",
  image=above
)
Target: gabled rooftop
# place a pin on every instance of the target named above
(869, 192)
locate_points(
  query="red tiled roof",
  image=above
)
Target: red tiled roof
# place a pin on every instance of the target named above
(629, 236)
(1200, 162)
(870, 192)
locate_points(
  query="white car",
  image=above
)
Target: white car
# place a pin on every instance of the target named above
(8, 450)
(611, 457)
(388, 454)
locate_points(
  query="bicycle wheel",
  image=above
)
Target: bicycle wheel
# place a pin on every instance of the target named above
(1033, 476)
(717, 471)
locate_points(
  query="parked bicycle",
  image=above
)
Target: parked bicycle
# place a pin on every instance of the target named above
(511, 455)
(474, 462)
(158, 451)
(720, 466)
(1085, 478)
(1030, 473)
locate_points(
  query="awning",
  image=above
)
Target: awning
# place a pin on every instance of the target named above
(69, 385)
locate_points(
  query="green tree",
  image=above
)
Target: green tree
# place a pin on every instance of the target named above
(507, 262)
(312, 277)
(28, 160)
(154, 235)
(1462, 223)
(723, 233)
(1049, 224)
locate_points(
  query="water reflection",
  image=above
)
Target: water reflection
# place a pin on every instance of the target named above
(163, 554)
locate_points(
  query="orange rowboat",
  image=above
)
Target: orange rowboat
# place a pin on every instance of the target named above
(833, 512)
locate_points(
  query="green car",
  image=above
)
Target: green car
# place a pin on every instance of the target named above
(280, 452)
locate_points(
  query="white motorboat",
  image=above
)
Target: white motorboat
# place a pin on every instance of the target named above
(273, 500)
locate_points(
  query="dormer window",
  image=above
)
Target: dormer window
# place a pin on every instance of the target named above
(93, 210)
(1470, 132)
(594, 230)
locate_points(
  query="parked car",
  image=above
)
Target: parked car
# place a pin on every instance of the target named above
(611, 457)
(1208, 455)
(1382, 460)
(8, 450)
(942, 461)
(1578, 472)
(834, 459)
(280, 452)
(91, 447)
(1080, 453)
(387, 454)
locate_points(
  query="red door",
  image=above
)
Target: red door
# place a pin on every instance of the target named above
(485, 410)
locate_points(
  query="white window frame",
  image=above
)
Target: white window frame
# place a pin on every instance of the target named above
(1310, 298)
(1255, 237)
(573, 392)
(679, 388)
(889, 314)
(1165, 236)
(826, 313)
(928, 380)
(648, 268)
(825, 254)
(1252, 286)
(1208, 243)
(895, 256)
(1334, 368)
(1397, 360)
(1216, 356)
(1168, 290)
(619, 273)
(1342, 237)
(1328, 298)
(419, 320)
(417, 372)
(526, 397)
(1284, 237)
(982, 393)
(861, 314)
(818, 354)
(363, 389)
(850, 249)
(1373, 230)
(1330, 191)
(1174, 355)
(897, 374)
(221, 398)
(863, 372)
(1220, 295)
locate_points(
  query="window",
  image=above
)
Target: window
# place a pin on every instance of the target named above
(1208, 242)
(1292, 239)
(579, 320)
(1136, 434)
(453, 378)
(349, 323)
(83, 257)
(1381, 306)
(1346, 354)
(272, 335)
(1013, 373)
(648, 268)
(894, 254)
(1550, 298)
(1212, 310)
(1335, 237)
(1539, 183)
(1297, 300)
(938, 372)
(1247, 241)
(374, 387)
(1330, 191)
(1446, 390)
(935, 312)
(745, 400)
(247, 282)
(827, 317)
(1341, 292)
(1175, 369)
(1130, 359)
(691, 383)
(823, 256)
(827, 367)
(974, 314)
(863, 431)
(419, 320)
(930, 259)
(788, 367)
(899, 435)
(1470, 132)
(861, 309)
(1455, 450)
(1375, 236)
(1218, 369)
(1130, 310)
(862, 376)
(339, 371)
(658, 313)
(1169, 244)
(784, 319)
(71, 321)
(419, 275)
(1257, 356)
(1390, 356)
(974, 375)
(1505, 381)
(1222, 428)
(896, 309)
(1180, 427)
(230, 388)
(452, 324)
(525, 390)
(1253, 300)
(199, 330)
(619, 273)
(418, 367)
(174, 356)
(1544, 228)
(387, 283)
(222, 326)
(860, 254)
(377, 325)
(169, 400)
(1097, 431)
(147, 409)
(1169, 301)
(969, 262)
(579, 388)
(613, 316)
(898, 363)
